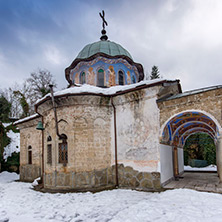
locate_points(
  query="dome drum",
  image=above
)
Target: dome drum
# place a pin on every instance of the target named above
(108, 57)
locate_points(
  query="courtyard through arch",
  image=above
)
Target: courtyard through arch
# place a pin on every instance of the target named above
(174, 134)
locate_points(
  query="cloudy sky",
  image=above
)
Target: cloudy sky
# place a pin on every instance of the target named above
(183, 38)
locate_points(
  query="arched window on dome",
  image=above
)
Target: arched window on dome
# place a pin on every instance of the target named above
(100, 78)
(121, 77)
(133, 79)
(82, 78)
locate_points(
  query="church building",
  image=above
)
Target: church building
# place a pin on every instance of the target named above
(105, 130)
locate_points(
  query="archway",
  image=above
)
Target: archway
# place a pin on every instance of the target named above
(175, 132)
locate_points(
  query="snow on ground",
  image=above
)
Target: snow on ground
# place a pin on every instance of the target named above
(14, 146)
(207, 168)
(18, 202)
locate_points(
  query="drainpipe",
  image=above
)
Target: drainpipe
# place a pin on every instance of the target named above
(115, 138)
(55, 113)
(43, 170)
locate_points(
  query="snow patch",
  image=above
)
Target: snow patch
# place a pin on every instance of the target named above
(14, 146)
(207, 168)
(21, 203)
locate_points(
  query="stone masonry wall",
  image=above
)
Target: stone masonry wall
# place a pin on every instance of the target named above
(86, 121)
(104, 178)
(29, 136)
(209, 101)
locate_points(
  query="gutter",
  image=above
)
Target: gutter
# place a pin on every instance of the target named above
(43, 169)
(55, 113)
(115, 138)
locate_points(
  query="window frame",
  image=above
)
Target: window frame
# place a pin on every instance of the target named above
(29, 154)
(98, 79)
(123, 75)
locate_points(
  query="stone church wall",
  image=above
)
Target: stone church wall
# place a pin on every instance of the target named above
(86, 121)
(29, 136)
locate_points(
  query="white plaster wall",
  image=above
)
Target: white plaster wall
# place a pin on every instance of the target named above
(166, 162)
(180, 160)
(138, 130)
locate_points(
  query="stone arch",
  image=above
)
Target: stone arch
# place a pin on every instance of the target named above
(219, 128)
(175, 131)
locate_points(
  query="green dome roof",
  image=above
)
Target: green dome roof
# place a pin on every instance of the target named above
(106, 47)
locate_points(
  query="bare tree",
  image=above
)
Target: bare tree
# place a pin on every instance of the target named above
(16, 109)
(37, 86)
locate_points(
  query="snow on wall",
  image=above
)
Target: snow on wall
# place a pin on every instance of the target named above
(166, 162)
(137, 130)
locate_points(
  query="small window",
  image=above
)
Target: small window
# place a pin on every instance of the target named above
(82, 78)
(49, 150)
(49, 153)
(121, 78)
(49, 138)
(29, 155)
(63, 150)
(100, 78)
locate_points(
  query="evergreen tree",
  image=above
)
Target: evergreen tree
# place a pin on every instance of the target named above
(5, 108)
(155, 73)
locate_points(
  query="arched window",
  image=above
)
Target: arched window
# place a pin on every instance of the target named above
(49, 150)
(29, 155)
(133, 79)
(121, 78)
(82, 78)
(63, 149)
(100, 78)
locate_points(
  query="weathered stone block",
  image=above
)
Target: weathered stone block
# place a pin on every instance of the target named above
(157, 184)
(147, 175)
(155, 175)
(147, 184)
(140, 176)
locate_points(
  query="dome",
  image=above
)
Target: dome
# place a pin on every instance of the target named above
(106, 47)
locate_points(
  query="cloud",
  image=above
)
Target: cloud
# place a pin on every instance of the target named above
(183, 38)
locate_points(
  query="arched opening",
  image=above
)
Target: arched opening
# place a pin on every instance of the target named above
(82, 78)
(199, 151)
(177, 135)
(100, 78)
(121, 77)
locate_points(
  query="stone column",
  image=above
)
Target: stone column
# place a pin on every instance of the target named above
(219, 156)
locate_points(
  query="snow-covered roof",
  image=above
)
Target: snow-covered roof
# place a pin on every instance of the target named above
(102, 91)
(192, 92)
(26, 119)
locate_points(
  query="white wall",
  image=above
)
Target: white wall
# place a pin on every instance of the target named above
(180, 160)
(166, 162)
(137, 117)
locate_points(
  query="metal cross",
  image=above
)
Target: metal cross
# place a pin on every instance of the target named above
(103, 18)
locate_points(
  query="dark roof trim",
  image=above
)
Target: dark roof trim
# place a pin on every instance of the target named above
(131, 62)
(191, 92)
